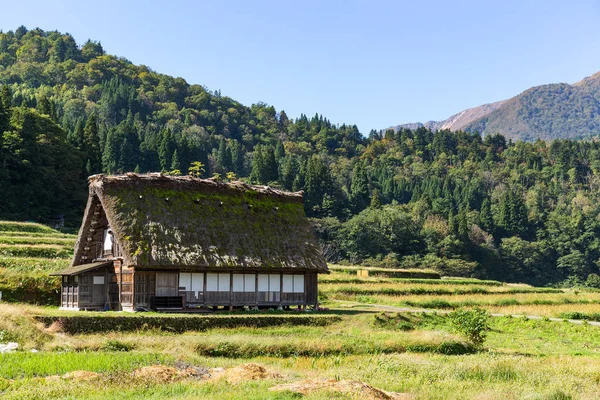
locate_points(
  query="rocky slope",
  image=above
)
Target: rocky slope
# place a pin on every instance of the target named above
(551, 111)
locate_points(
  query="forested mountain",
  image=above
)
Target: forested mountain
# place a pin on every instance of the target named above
(556, 111)
(516, 211)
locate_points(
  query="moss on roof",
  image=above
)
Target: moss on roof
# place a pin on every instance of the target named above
(164, 221)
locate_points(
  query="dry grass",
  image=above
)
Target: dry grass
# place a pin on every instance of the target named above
(546, 310)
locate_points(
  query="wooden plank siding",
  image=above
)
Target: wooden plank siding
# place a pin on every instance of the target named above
(124, 288)
(207, 289)
(86, 291)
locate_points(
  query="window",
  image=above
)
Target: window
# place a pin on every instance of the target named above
(108, 240)
(98, 280)
(269, 287)
(224, 282)
(217, 282)
(244, 283)
(212, 282)
(193, 284)
(293, 283)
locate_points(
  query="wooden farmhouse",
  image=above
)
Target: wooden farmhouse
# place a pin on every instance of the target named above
(174, 243)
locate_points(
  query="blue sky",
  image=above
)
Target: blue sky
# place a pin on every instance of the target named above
(370, 63)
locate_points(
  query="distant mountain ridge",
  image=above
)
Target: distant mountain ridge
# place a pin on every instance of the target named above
(553, 111)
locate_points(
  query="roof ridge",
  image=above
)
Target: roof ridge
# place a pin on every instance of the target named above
(101, 179)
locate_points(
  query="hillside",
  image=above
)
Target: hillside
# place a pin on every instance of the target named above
(554, 111)
(457, 121)
(452, 201)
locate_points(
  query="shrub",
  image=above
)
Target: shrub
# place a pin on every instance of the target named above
(393, 321)
(593, 281)
(116, 345)
(76, 324)
(472, 324)
(33, 288)
(580, 315)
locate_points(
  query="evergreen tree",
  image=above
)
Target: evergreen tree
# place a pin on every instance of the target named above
(279, 151)
(485, 216)
(237, 157)
(375, 200)
(91, 144)
(359, 188)
(175, 164)
(6, 98)
(77, 137)
(224, 160)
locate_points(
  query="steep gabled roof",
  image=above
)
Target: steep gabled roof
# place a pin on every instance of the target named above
(164, 221)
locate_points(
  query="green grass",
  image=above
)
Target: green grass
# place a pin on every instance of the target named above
(522, 359)
(34, 264)
(27, 365)
(33, 240)
(10, 226)
(390, 291)
(387, 272)
(338, 278)
(418, 354)
(38, 250)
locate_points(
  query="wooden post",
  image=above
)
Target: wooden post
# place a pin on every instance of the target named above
(256, 288)
(204, 289)
(231, 291)
(281, 289)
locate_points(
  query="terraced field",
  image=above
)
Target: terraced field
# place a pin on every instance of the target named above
(345, 351)
(28, 253)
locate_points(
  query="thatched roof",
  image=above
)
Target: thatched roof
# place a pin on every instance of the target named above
(183, 222)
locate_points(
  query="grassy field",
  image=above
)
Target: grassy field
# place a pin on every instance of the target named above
(417, 355)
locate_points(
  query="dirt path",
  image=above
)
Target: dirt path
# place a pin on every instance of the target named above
(383, 307)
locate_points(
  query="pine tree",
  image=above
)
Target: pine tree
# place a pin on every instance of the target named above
(279, 151)
(165, 151)
(224, 157)
(375, 200)
(6, 98)
(76, 138)
(91, 144)
(4, 121)
(237, 157)
(257, 164)
(271, 172)
(175, 164)
(110, 153)
(359, 188)
(44, 107)
(486, 220)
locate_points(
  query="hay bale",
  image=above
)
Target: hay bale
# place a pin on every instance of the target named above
(244, 372)
(81, 376)
(356, 389)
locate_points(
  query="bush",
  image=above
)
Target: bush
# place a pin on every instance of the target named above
(33, 288)
(393, 321)
(472, 324)
(115, 345)
(580, 315)
(593, 281)
(40, 250)
(77, 324)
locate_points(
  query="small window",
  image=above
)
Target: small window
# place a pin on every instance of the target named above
(108, 240)
(65, 279)
(76, 279)
(98, 280)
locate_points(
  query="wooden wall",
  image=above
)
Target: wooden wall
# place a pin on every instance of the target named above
(88, 290)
